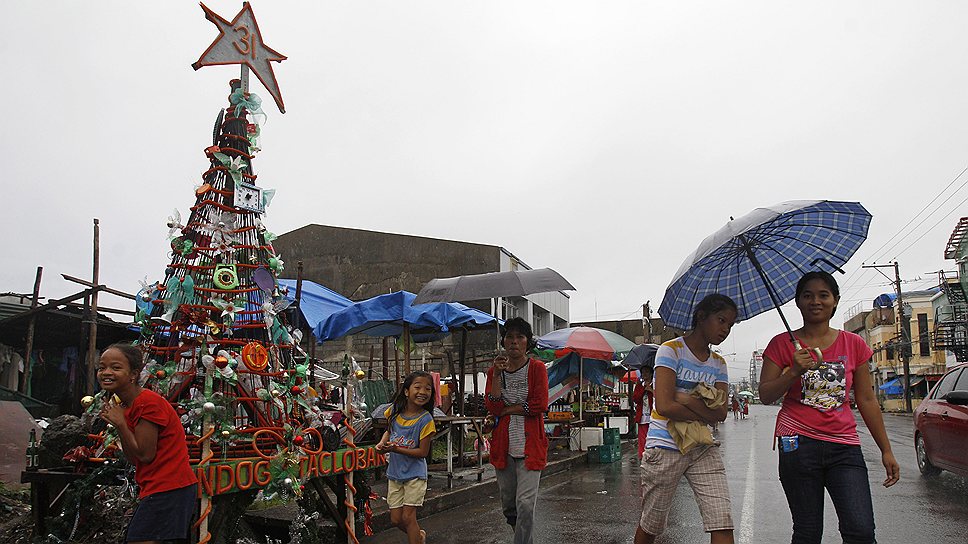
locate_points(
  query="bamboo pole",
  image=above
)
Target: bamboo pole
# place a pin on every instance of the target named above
(406, 348)
(369, 374)
(386, 358)
(92, 327)
(396, 367)
(462, 363)
(25, 379)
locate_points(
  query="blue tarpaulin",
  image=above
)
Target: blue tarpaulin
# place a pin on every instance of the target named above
(893, 387)
(317, 302)
(385, 315)
(563, 374)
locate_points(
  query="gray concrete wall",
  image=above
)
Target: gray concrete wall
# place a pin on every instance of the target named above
(361, 264)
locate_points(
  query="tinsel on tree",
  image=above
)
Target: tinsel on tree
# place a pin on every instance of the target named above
(214, 331)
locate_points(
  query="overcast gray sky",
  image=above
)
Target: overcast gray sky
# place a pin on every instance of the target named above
(603, 139)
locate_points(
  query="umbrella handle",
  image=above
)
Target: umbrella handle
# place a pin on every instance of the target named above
(818, 355)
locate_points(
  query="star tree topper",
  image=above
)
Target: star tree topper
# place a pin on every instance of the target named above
(240, 42)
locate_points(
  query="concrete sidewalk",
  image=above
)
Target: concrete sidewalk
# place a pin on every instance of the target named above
(466, 489)
(439, 498)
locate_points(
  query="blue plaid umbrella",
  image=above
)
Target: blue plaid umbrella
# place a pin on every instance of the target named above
(757, 259)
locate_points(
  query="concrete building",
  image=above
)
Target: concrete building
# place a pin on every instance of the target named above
(951, 303)
(360, 264)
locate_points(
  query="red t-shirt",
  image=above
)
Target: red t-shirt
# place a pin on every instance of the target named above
(817, 405)
(170, 469)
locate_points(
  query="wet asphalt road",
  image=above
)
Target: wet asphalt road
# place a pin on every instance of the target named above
(600, 503)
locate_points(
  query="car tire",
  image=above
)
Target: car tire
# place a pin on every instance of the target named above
(924, 464)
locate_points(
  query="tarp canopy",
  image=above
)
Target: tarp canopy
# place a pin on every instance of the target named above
(385, 315)
(563, 374)
(317, 302)
(893, 387)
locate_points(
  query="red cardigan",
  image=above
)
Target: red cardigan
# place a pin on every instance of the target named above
(535, 439)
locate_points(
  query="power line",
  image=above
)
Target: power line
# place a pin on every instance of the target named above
(933, 226)
(849, 284)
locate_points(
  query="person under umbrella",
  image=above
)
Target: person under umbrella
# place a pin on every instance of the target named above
(682, 366)
(517, 396)
(643, 398)
(815, 428)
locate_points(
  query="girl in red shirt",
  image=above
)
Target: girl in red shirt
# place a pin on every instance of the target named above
(153, 439)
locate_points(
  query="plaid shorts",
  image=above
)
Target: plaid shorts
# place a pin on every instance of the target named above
(703, 467)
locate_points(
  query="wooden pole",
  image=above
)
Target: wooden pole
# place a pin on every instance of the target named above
(205, 506)
(369, 374)
(298, 297)
(386, 358)
(25, 379)
(406, 348)
(474, 370)
(462, 363)
(312, 362)
(396, 367)
(92, 327)
(348, 477)
(453, 375)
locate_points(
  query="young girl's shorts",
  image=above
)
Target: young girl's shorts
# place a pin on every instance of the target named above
(164, 516)
(408, 493)
(703, 467)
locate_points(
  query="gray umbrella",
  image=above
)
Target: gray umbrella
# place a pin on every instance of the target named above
(492, 285)
(641, 355)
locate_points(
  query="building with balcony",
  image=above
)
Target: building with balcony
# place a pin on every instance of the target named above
(951, 303)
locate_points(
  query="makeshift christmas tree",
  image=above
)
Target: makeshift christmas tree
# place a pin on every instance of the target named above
(214, 330)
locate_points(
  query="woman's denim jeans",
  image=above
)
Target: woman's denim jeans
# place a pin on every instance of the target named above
(840, 468)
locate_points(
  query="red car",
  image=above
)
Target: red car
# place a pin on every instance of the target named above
(941, 425)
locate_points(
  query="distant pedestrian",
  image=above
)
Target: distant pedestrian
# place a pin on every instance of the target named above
(517, 395)
(153, 439)
(681, 366)
(410, 430)
(735, 405)
(642, 397)
(744, 407)
(815, 428)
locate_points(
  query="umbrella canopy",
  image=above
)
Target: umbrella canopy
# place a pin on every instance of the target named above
(492, 285)
(386, 315)
(587, 342)
(568, 371)
(641, 355)
(757, 259)
(747, 394)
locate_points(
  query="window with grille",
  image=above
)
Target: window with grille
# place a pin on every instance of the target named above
(924, 335)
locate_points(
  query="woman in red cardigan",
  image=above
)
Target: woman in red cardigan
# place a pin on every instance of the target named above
(517, 396)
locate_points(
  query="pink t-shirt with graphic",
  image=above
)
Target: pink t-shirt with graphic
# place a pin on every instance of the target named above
(817, 405)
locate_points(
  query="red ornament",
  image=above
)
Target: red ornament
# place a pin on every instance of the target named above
(297, 440)
(160, 374)
(295, 390)
(221, 361)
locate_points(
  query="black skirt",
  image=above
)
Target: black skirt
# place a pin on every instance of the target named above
(164, 516)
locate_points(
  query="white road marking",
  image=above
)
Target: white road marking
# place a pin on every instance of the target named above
(749, 496)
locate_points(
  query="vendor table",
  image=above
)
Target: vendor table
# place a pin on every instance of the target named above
(453, 422)
(445, 426)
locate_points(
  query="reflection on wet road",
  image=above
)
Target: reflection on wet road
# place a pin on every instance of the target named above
(600, 503)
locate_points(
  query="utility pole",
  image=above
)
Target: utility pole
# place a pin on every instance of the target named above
(904, 331)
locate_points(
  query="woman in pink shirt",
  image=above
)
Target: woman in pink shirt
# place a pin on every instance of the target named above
(815, 428)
